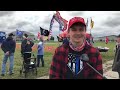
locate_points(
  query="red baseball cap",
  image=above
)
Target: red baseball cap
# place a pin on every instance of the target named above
(75, 20)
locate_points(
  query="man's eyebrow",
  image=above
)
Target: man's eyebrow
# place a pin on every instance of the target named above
(75, 27)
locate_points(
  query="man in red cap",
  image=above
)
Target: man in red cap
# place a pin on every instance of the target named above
(67, 62)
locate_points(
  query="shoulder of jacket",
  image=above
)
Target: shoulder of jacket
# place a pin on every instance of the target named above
(62, 47)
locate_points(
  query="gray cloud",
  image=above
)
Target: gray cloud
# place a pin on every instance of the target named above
(4, 13)
(31, 24)
(113, 21)
(104, 31)
(47, 19)
(21, 24)
(12, 27)
(75, 13)
(2, 25)
(116, 13)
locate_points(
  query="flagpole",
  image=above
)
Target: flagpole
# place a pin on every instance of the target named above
(90, 31)
(15, 35)
(87, 26)
(90, 25)
(59, 32)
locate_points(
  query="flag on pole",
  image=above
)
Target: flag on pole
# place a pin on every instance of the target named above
(2, 36)
(50, 29)
(38, 36)
(44, 32)
(92, 23)
(61, 21)
(87, 23)
(19, 33)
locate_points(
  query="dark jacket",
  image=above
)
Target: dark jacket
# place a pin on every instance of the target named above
(9, 45)
(26, 47)
(59, 67)
(65, 40)
(116, 62)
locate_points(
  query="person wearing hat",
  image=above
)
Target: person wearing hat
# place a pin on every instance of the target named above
(8, 46)
(67, 60)
(26, 45)
(116, 61)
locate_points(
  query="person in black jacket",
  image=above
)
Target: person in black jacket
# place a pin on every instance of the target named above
(26, 47)
(8, 46)
(116, 62)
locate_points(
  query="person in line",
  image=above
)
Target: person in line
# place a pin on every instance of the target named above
(8, 46)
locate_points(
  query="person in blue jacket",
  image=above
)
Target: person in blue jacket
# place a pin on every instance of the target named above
(40, 53)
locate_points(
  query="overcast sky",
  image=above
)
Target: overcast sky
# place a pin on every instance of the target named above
(105, 22)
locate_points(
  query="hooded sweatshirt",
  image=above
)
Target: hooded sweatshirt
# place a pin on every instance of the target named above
(9, 45)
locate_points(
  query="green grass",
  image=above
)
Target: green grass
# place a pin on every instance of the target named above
(42, 71)
(108, 55)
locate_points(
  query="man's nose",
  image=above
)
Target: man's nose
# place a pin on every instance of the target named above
(78, 31)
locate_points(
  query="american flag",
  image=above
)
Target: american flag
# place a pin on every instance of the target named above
(50, 29)
(75, 64)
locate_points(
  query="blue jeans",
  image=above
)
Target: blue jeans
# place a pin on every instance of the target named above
(38, 60)
(11, 58)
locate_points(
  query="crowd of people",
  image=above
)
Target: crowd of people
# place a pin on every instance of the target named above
(9, 45)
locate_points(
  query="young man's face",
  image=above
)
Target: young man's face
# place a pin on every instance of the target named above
(77, 33)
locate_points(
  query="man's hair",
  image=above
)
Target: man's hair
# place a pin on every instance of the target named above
(25, 35)
(11, 34)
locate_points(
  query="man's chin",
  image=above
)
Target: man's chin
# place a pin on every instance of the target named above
(78, 40)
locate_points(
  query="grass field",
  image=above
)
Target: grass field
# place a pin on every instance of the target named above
(108, 55)
(42, 71)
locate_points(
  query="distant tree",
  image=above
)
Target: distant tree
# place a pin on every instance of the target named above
(112, 40)
(52, 38)
(101, 40)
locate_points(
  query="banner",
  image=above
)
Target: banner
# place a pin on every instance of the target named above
(2, 36)
(92, 23)
(19, 33)
(44, 32)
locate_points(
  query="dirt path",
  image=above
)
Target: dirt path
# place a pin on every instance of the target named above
(108, 71)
